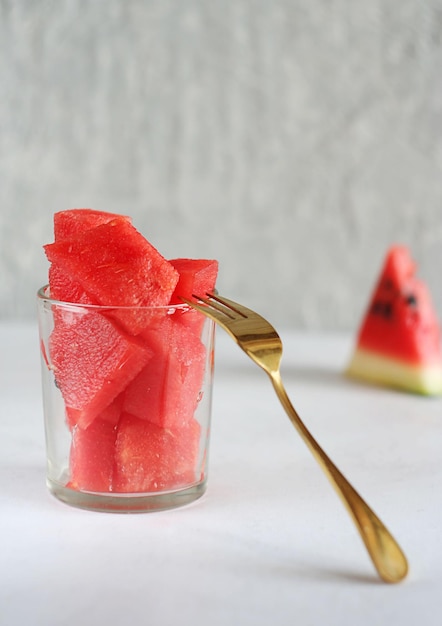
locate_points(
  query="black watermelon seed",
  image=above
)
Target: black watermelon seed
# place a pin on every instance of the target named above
(382, 308)
(411, 300)
(377, 307)
(388, 310)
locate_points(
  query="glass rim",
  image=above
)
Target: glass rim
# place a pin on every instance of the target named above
(43, 295)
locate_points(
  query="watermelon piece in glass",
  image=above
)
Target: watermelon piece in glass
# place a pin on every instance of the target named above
(91, 461)
(75, 221)
(196, 276)
(64, 289)
(92, 361)
(117, 267)
(69, 224)
(168, 389)
(149, 458)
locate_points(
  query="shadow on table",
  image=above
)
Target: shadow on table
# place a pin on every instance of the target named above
(320, 574)
(314, 375)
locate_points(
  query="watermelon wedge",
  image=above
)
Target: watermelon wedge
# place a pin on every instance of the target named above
(399, 341)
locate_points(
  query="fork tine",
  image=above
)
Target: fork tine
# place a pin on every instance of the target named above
(240, 309)
(208, 309)
(229, 304)
(214, 302)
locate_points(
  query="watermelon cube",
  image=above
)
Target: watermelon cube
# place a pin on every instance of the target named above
(68, 224)
(167, 390)
(117, 267)
(92, 453)
(65, 289)
(196, 276)
(92, 362)
(149, 458)
(74, 221)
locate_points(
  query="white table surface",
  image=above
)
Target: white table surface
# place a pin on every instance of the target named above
(269, 543)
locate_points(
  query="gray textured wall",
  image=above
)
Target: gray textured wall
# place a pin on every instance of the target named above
(293, 140)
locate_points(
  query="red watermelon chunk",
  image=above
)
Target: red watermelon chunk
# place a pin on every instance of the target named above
(167, 390)
(92, 362)
(74, 221)
(196, 276)
(91, 462)
(398, 343)
(63, 288)
(117, 266)
(149, 458)
(68, 224)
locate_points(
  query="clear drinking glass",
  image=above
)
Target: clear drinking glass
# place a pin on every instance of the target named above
(127, 416)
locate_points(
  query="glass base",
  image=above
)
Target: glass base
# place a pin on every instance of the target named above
(126, 502)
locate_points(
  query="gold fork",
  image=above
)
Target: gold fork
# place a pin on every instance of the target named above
(262, 344)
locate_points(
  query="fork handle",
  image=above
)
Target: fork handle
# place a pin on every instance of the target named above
(388, 558)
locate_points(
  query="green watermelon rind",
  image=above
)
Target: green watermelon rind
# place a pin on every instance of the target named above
(372, 367)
